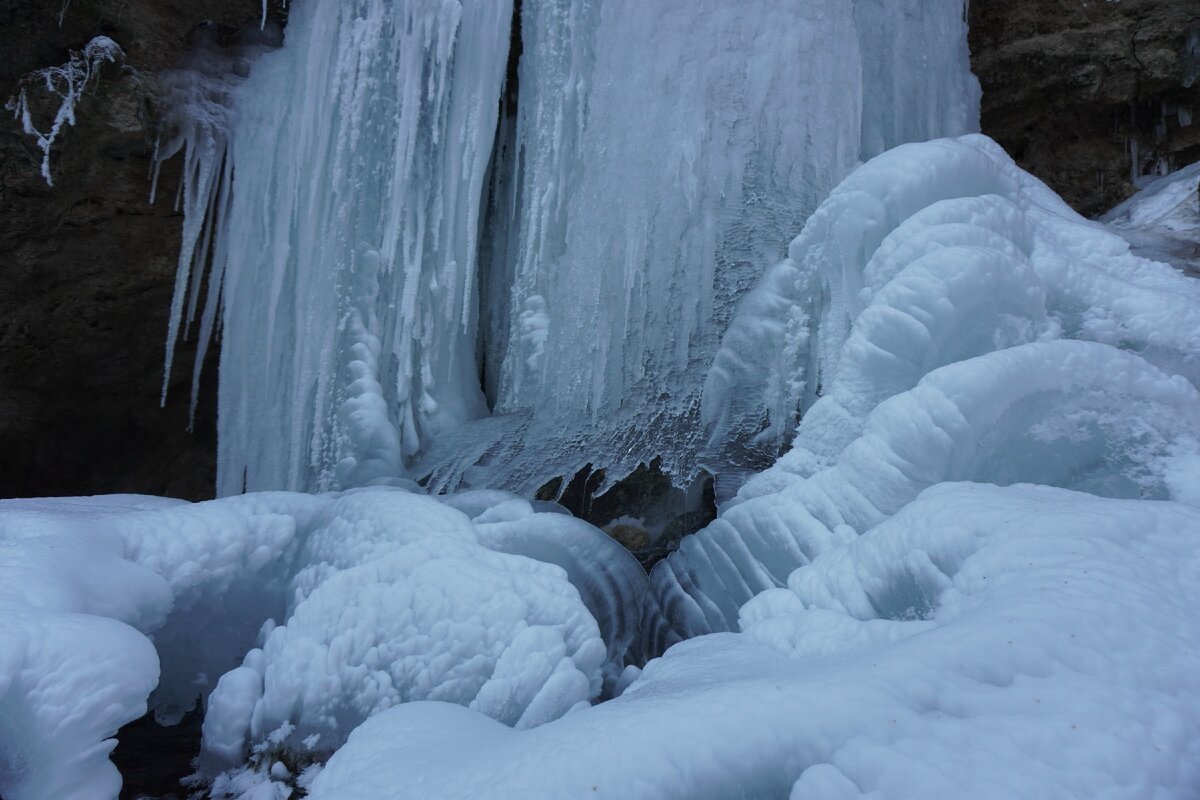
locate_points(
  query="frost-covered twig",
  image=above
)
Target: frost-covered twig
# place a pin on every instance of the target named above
(68, 81)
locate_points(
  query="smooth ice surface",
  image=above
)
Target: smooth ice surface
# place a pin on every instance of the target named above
(336, 606)
(984, 642)
(395, 262)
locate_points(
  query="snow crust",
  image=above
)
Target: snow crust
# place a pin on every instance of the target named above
(314, 611)
(382, 237)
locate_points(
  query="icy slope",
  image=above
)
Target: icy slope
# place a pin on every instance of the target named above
(984, 642)
(1162, 221)
(337, 607)
(393, 260)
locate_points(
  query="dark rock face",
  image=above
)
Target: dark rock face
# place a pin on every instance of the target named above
(1068, 85)
(87, 267)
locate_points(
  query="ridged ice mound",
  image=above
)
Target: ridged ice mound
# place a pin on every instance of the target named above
(336, 606)
(943, 316)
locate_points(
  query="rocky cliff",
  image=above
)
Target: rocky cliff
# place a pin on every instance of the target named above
(1089, 94)
(87, 266)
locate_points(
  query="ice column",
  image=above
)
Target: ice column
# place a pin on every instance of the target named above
(350, 309)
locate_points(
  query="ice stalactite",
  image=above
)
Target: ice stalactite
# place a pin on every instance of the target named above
(197, 121)
(648, 200)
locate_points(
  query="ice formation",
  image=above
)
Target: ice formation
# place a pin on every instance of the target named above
(397, 261)
(417, 284)
(381, 596)
(1162, 221)
(930, 325)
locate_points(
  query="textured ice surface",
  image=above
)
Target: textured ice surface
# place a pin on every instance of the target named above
(381, 596)
(984, 642)
(378, 255)
(64, 86)
(611, 582)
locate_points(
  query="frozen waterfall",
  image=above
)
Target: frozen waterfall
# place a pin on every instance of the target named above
(398, 256)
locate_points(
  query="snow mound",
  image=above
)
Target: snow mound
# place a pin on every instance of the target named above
(984, 642)
(381, 596)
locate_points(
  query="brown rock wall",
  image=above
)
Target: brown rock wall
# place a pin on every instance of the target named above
(1068, 84)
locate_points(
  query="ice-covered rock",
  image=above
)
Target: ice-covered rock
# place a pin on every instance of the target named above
(1162, 221)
